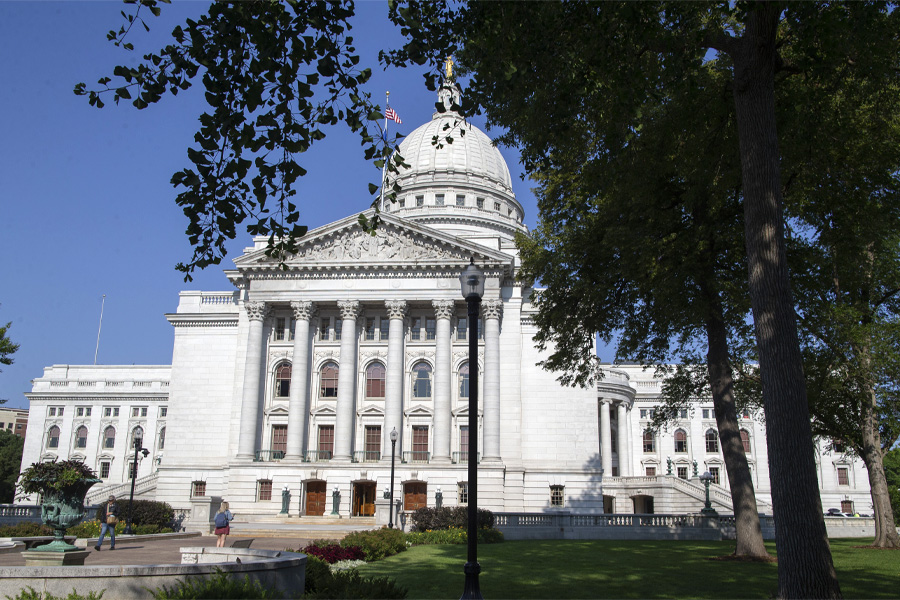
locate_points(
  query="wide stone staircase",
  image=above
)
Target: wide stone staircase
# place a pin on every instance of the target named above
(325, 527)
(673, 495)
(143, 486)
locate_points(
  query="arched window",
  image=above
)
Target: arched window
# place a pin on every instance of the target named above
(283, 380)
(109, 437)
(712, 441)
(53, 437)
(137, 437)
(375, 380)
(649, 441)
(745, 440)
(422, 380)
(680, 440)
(464, 380)
(81, 437)
(329, 379)
(162, 438)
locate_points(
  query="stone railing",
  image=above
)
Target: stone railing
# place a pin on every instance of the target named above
(120, 490)
(10, 514)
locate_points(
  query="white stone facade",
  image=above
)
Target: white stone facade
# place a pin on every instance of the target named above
(296, 379)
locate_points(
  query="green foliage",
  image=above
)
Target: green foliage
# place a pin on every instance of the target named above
(91, 529)
(318, 574)
(431, 518)
(220, 585)
(11, 447)
(350, 584)
(7, 347)
(43, 477)
(144, 512)
(27, 529)
(453, 535)
(892, 474)
(30, 593)
(377, 543)
(277, 76)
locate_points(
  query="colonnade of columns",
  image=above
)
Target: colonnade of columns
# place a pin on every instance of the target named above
(350, 312)
(623, 441)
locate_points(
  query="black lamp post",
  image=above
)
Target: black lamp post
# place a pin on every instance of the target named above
(472, 284)
(394, 436)
(137, 450)
(707, 509)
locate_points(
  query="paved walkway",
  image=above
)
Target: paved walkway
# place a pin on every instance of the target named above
(159, 552)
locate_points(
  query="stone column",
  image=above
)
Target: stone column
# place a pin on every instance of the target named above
(393, 384)
(492, 310)
(250, 398)
(605, 441)
(623, 449)
(443, 311)
(297, 411)
(346, 399)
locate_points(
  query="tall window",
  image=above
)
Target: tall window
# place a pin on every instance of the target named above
(557, 495)
(329, 379)
(714, 471)
(109, 437)
(712, 441)
(373, 442)
(745, 440)
(422, 380)
(81, 437)
(53, 437)
(460, 200)
(430, 329)
(415, 328)
(461, 328)
(280, 325)
(614, 440)
(283, 380)
(326, 441)
(464, 444)
(370, 328)
(680, 440)
(264, 489)
(385, 327)
(462, 492)
(325, 328)
(464, 380)
(279, 440)
(375, 380)
(649, 441)
(438, 199)
(338, 328)
(843, 474)
(104, 469)
(837, 445)
(420, 443)
(162, 438)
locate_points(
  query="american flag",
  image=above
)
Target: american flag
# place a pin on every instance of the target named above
(391, 114)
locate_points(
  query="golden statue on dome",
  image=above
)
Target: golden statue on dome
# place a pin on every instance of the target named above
(448, 69)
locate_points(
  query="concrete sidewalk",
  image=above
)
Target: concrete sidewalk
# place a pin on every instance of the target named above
(161, 552)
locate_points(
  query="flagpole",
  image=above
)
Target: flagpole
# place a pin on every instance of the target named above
(97, 349)
(387, 103)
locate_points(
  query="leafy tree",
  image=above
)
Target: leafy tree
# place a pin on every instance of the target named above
(892, 474)
(7, 349)
(277, 75)
(11, 447)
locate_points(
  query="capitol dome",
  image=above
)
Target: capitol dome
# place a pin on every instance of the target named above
(461, 187)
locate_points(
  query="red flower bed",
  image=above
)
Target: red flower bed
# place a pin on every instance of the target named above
(335, 553)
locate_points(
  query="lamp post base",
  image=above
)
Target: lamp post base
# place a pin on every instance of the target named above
(472, 591)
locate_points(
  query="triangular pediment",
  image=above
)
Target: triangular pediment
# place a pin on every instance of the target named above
(419, 411)
(277, 410)
(371, 410)
(324, 411)
(397, 243)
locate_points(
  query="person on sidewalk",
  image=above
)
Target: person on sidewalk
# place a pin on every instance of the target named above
(108, 521)
(223, 527)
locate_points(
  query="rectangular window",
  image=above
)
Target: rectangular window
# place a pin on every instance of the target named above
(415, 330)
(293, 328)
(143, 411)
(430, 329)
(461, 325)
(198, 489)
(643, 413)
(460, 200)
(279, 440)
(714, 471)
(326, 440)
(745, 414)
(370, 328)
(163, 411)
(464, 444)
(420, 200)
(497, 206)
(104, 469)
(264, 490)
(843, 474)
(385, 324)
(847, 507)
(682, 413)
(338, 328)
(438, 199)
(462, 492)
(479, 202)
(280, 325)
(650, 471)
(52, 411)
(682, 472)
(79, 411)
(709, 413)
(402, 202)
(135, 411)
(557, 495)
(373, 442)
(325, 329)
(420, 443)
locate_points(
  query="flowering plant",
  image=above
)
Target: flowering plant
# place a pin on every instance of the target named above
(333, 553)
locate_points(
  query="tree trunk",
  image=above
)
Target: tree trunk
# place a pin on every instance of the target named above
(749, 540)
(805, 567)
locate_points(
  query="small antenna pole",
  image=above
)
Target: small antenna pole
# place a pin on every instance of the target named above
(97, 349)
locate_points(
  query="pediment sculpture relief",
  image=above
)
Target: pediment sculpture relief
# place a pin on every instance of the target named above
(386, 244)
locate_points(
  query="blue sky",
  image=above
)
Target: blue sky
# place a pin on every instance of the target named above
(86, 207)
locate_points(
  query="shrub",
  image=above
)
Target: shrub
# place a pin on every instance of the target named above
(454, 535)
(333, 553)
(430, 518)
(220, 585)
(377, 543)
(143, 512)
(91, 529)
(30, 593)
(25, 529)
(350, 584)
(317, 573)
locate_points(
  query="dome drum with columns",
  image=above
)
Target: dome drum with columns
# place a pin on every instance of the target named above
(293, 383)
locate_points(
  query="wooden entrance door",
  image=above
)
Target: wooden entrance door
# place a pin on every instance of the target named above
(364, 499)
(415, 495)
(315, 498)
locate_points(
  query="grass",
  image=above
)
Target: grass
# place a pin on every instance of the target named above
(623, 569)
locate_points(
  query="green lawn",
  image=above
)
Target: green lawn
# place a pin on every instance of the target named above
(624, 569)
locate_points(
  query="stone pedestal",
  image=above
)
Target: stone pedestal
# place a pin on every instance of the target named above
(382, 511)
(37, 558)
(203, 511)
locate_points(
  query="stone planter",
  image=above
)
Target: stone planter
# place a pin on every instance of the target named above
(61, 509)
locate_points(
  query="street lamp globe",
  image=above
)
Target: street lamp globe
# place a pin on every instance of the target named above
(471, 281)
(394, 435)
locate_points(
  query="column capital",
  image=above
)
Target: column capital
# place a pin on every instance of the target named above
(350, 309)
(443, 309)
(256, 311)
(396, 308)
(492, 309)
(303, 309)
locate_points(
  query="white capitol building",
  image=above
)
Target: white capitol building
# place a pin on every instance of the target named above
(296, 379)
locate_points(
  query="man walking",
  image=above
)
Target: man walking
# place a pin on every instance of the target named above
(108, 521)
